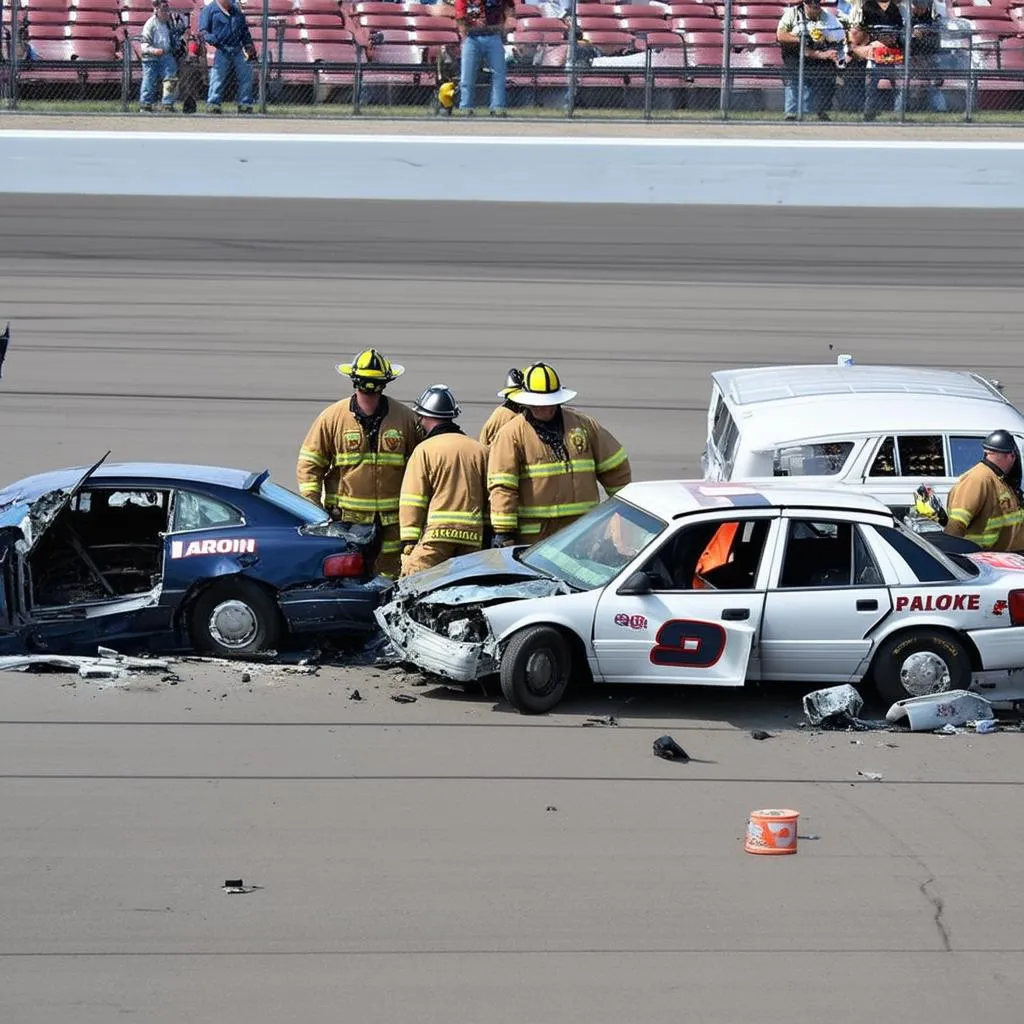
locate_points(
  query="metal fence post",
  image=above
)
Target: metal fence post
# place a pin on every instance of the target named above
(126, 72)
(15, 42)
(908, 36)
(264, 55)
(971, 80)
(570, 106)
(357, 82)
(802, 24)
(725, 92)
(648, 80)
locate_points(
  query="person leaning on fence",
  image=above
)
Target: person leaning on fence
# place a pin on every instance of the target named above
(824, 40)
(159, 63)
(222, 25)
(876, 35)
(926, 53)
(482, 28)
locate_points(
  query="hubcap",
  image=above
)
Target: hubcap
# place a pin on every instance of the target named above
(541, 672)
(233, 624)
(924, 673)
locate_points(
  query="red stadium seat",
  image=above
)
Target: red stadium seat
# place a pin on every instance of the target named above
(45, 5)
(378, 7)
(540, 24)
(610, 40)
(90, 32)
(528, 11)
(106, 19)
(661, 41)
(537, 38)
(641, 11)
(594, 11)
(755, 24)
(433, 37)
(692, 9)
(689, 24)
(327, 35)
(375, 21)
(644, 25)
(40, 17)
(598, 24)
(318, 7)
(47, 31)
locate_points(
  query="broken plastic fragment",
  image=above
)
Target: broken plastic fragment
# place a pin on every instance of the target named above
(986, 725)
(603, 720)
(666, 747)
(933, 710)
(760, 734)
(947, 730)
(355, 695)
(403, 698)
(871, 776)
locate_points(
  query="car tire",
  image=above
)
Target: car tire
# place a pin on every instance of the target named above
(535, 670)
(920, 662)
(235, 618)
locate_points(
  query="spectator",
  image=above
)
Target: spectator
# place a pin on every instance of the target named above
(482, 28)
(926, 56)
(26, 51)
(824, 41)
(158, 63)
(876, 36)
(222, 25)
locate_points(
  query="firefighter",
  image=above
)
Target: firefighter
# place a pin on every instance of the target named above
(544, 466)
(985, 505)
(444, 492)
(506, 412)
(353, 458)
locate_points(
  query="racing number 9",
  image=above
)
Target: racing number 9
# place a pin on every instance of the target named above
(686, 643)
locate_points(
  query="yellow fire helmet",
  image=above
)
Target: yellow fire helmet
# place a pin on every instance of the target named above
(513, 382)
(446, 95)
(370, 371)
(541, 386)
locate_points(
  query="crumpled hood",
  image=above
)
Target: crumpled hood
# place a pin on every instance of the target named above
(491, 567)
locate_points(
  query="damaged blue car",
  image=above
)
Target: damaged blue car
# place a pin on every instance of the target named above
(175, 558)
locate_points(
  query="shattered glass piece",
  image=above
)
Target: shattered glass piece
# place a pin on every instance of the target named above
(834, 708)
(947, 730)
(985, 726)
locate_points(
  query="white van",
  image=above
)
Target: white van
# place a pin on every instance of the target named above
(880, 429)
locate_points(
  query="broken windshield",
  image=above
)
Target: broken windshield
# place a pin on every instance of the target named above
(597, 547)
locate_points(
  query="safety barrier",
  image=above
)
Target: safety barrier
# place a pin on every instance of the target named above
(646, 60)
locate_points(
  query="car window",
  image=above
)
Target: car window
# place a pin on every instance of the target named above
(592, 551)
(201, 512)
(711, 556)
(922, 456)
(885, 460)
(964, 452)
(824, 554)
(291, 502)
(811, 459)
(927, 567)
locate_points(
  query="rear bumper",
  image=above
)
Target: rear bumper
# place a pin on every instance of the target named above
(999, 648)
(329, 608)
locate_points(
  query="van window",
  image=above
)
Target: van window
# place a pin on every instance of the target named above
(964, 452)
(885, 460)
(725, 436)
(811, 459)
(922, 456)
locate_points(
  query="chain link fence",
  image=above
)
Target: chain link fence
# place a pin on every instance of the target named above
(756, 59)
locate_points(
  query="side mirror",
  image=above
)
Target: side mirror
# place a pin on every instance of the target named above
(636, 585)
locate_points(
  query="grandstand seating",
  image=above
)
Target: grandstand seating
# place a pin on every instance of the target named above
(305, 33)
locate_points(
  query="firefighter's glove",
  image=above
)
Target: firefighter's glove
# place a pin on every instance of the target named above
(503, 540)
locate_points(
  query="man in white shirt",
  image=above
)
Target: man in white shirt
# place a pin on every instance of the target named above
(158, 63)
(824, 47)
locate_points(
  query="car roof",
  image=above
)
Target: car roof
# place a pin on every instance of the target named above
(669, 499)
(775, 405)
(233, 479)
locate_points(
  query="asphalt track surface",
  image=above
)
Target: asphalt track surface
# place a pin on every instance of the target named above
(446, 860)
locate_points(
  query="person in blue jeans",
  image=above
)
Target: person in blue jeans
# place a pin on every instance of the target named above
(222, 26)
(159, 66)
(482, 27)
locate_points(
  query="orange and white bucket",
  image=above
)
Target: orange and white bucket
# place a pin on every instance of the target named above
(772, 831)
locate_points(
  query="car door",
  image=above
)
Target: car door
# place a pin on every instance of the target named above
(826, 593)
(692, 612)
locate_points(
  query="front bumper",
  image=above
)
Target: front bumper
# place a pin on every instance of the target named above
(432, 653)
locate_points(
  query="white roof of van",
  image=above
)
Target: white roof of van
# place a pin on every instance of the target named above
(779, 404)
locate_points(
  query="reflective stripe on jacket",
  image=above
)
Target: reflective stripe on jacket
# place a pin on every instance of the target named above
(444, 491)
(984, 509)
(337, 469)
(528, 483)
(502, 415)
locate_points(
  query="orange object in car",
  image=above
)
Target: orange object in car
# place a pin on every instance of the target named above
(716, 553)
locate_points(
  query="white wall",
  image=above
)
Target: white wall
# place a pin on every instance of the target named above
(798, 172)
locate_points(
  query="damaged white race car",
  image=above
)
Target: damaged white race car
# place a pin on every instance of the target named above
(686, 582)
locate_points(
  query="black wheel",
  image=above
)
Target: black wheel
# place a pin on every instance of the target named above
(920, 662)
(235, 617)
(535, 670)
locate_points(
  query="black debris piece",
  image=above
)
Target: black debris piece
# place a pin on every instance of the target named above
(760, 734)
(246, 677)
(5, 340)
(171, 678)
(551, 807)
(666, 747)
(234, 883)
(355, 695)
(605, 720)
(403, 698)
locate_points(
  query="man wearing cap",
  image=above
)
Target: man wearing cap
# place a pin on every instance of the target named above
(823, 44)
(506, 412)
(544, 466)
(984, 505)
(158, 63)
(222, 25)
(444, 491)
(354, 456)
